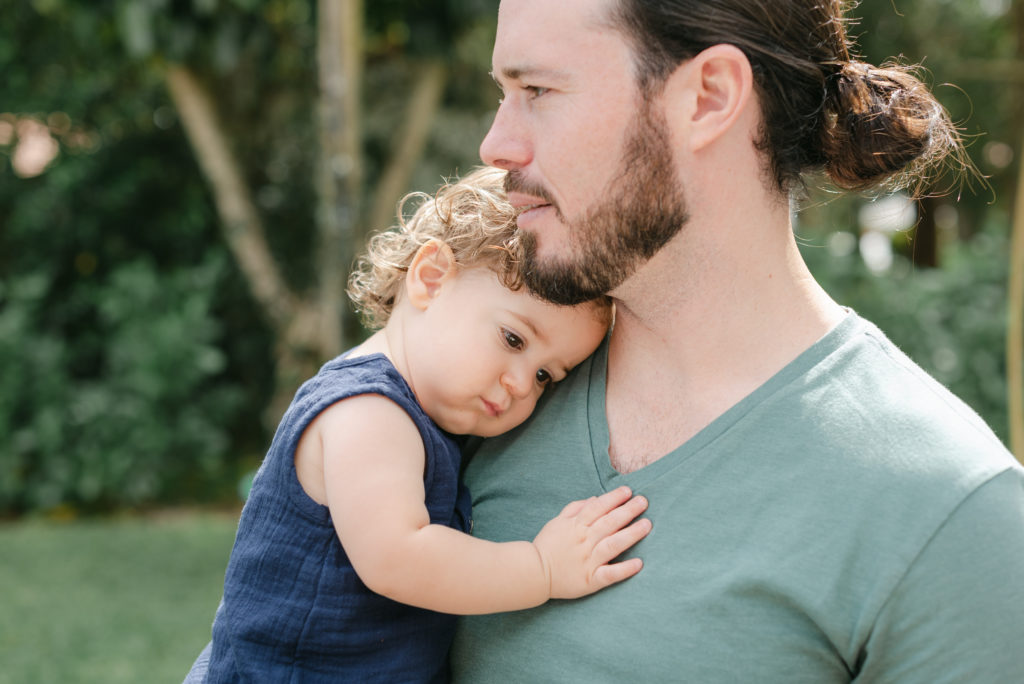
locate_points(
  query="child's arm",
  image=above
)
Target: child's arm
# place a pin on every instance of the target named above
(373, 473)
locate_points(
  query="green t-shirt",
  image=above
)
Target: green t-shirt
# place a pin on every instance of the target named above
(850, 520)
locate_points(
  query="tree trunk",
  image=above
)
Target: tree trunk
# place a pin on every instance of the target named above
(239, 219)
(308, 331)
(297, 356)
(1015, 324)
(340, 176)
(293, 322)
(924, 245)
(428, 87)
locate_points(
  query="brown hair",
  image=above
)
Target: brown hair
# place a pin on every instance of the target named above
(821, 108)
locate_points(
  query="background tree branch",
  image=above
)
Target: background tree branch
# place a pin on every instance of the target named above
(239, 220)
(340, 172)
(424, 103)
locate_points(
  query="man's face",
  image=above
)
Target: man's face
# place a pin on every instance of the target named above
(590, 162)
(642, 209)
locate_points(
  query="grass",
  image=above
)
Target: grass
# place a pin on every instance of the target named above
(124, 600)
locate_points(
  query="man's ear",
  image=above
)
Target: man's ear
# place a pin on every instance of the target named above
(433, 264)
(714, 89)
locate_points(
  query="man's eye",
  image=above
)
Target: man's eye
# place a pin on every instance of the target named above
(536, 91)
(512, 340)
(544, 378)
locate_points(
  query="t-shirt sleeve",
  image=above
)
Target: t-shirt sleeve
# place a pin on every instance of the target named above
(958, 613)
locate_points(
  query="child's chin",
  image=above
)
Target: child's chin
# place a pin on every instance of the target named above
(495, 430)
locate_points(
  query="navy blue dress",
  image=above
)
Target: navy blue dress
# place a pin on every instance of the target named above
(294, 609)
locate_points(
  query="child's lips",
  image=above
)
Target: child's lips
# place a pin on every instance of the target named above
(493, 410)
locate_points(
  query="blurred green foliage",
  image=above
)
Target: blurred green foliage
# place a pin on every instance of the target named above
(126, 410)
(112, 289)
(133, 362)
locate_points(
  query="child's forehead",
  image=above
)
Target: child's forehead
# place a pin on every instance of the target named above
(543, 317)
(536, 312)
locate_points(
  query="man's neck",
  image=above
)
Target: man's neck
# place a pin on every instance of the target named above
(701, 326)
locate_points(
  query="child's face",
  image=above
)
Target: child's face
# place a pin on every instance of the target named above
(483, 354)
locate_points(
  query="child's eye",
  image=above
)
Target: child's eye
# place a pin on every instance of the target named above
(512, 340)
(544, 378)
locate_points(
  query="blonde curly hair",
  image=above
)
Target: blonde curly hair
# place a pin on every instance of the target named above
(471, 216)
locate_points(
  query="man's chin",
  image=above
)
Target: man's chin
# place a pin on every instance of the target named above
(557, 283)
(547, 244)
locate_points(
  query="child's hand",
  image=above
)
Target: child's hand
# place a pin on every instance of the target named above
(575, 548)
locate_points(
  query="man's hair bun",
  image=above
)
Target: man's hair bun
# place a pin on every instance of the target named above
(884, 127)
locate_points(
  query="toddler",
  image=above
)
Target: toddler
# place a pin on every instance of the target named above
(353, 556)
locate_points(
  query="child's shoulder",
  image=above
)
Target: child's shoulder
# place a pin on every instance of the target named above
(366, 369)
(345, 377)
(353, 358)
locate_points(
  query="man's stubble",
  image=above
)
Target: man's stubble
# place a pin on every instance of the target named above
(644, 209)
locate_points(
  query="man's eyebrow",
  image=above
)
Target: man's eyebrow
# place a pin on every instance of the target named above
(528, 72)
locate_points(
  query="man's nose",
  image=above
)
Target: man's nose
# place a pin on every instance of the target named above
(505, 145)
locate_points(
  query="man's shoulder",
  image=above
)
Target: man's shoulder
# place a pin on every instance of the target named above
(892, 392)
(888, 424)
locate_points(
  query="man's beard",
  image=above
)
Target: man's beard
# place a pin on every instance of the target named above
(644, 209)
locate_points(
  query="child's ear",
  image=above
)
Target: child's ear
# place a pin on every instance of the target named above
(433, 264)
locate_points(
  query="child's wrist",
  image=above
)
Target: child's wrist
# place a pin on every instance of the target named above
(545, 579)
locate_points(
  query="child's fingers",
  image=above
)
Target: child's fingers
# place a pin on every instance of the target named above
(619, 517)
(596, 507)
(613, 545)
(607, 575)
(574, 507)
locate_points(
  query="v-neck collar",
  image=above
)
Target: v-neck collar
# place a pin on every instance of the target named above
(598, 420)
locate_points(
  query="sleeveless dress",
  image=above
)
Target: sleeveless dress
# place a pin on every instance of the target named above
(293, 607)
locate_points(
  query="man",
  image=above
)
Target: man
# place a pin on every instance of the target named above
(823, 510)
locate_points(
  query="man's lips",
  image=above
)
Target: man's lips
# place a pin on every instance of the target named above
(523, 203)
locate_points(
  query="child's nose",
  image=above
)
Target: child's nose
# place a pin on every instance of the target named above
(517, 382)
